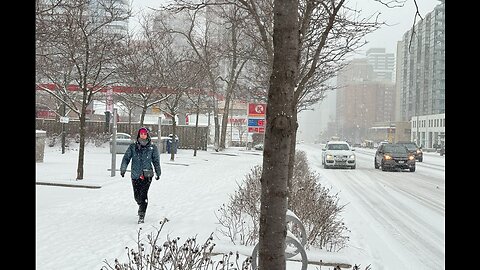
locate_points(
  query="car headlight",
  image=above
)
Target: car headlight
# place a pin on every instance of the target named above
(329, 157)
(411, 157)
(351, 157)
(387, 157)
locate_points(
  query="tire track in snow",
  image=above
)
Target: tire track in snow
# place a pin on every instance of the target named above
(399, 222)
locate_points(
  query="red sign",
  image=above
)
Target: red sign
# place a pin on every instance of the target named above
(257, 109)
(237, 121)
(49, 114)
(256, 130)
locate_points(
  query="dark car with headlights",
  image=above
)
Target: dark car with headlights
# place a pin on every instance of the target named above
(394, 156)
(412, 147)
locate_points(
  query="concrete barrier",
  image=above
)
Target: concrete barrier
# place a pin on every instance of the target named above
(40, 137)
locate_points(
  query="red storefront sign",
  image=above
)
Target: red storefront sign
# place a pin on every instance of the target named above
(47, 114)
(256, 130)
(257, 109)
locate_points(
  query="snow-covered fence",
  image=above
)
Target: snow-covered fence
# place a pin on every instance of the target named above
(185, 133)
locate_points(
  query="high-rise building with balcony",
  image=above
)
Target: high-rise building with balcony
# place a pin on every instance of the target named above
(421, 67)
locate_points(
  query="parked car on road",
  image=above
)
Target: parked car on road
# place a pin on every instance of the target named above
(338, 154)
(412, 147)
(394, 156)
(122, 141)
(258, 146)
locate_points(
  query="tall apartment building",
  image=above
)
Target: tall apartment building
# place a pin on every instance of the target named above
(362, 100)
(421, 67)
(98, 13)
(383, 64)
(103, 9)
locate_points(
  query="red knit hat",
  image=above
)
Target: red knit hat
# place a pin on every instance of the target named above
(142, 130)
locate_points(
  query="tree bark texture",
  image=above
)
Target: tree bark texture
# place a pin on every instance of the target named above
(279, 130)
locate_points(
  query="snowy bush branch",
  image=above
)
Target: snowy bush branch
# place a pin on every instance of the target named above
(312, 203)
(171, 255)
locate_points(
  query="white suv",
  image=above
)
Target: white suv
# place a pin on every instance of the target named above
(338, 154)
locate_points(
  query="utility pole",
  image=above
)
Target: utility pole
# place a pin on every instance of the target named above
(64, 112)
(159, 136)
(114, 142)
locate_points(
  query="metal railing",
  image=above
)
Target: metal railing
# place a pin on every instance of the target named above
(295, 245)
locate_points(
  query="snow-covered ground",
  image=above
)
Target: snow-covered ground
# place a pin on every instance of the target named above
(79, 228)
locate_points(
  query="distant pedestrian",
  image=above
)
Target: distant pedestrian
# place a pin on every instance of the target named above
(143, 155)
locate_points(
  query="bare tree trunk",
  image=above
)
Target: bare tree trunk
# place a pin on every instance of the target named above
(142, 117)
(81, 149)
(64, 113)
(278, 133)
(225, 119)
(291, 155)
(130, 128)
(216, 123)
(173, 146)
(181, 118)
(197, 112)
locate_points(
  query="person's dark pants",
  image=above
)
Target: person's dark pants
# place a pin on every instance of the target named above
(140, 193)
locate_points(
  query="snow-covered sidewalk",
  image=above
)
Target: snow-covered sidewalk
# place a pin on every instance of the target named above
(79, 228)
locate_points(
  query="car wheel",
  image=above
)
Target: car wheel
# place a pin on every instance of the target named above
(412, 169)
(325, 166)
(375, 163)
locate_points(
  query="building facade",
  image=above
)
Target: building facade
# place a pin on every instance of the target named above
(362, 101)
(383, 64)
(421, 58)
(420, 83)
(428, 130)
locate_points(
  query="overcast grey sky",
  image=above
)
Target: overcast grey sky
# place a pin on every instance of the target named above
(399, 19)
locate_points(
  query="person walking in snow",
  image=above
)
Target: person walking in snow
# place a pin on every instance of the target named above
(143, 155)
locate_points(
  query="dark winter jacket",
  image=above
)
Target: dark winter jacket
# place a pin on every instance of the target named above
(142, 158)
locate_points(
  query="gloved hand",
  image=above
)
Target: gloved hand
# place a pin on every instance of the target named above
(122, 174)
(157, 177)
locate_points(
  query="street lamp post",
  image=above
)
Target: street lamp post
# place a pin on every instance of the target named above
(114, 142)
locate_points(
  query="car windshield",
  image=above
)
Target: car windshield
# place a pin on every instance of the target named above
(339, 146)
(410, 146)
(392, 148)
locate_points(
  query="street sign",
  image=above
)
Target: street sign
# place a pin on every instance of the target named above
(256, 130)
(64, 120)
(257, 110)
(256, 122)
(256, 117)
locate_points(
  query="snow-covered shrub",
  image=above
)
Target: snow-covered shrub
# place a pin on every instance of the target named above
(52, 140)
(175, 256)
(310, 201)
(240, 217)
